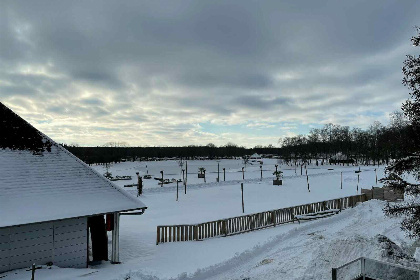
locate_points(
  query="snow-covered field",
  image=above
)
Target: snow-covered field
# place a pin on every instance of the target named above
(291, 251)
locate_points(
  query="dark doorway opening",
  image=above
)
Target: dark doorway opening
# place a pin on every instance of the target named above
(99, 238)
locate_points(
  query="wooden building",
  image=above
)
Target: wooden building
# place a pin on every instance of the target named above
(51, 202)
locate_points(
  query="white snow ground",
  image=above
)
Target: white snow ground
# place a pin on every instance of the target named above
(291, 251)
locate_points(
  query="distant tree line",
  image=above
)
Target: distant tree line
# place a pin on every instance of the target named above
(376, 144)
(116, 153)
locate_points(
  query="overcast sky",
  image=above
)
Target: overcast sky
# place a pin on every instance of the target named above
(193, 72)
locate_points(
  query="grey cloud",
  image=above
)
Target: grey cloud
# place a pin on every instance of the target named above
(92, 101)
(213, 59)
(256, 102)
(10, 90)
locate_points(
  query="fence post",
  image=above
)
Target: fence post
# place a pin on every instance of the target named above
(195, 232)
(292, 215)
(224, 227)
(158, 235)
(273, 217)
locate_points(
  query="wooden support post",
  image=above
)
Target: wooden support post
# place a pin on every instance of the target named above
(261, 171)
(376, 177)
(157, 235)
(224, 174)
(242, 190)
(243, 173)
(301, 169)
(334, 274)
(33, 271)
(341, 180)
(161, 172)
(185, 186)
(183, 177)
(115, 257)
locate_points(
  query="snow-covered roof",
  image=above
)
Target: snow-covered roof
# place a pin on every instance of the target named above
(43, 181)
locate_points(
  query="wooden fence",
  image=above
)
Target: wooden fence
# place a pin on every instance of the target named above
(241, 224)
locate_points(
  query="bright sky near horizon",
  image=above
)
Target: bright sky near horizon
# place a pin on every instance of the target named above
(163, 73)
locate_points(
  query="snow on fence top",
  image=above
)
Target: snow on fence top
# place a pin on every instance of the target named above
(45, 182)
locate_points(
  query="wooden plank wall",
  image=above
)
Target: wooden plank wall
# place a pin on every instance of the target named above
(241, 224)
(4, 249)
(63, 243)
(70, 243)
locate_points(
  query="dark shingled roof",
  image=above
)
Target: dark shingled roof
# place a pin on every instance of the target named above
(17, 134)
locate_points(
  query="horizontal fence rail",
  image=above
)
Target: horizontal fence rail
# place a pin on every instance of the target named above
(241, 224)
(372, 269)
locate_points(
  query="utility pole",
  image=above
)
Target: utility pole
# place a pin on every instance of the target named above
(357, 188)
(177, 190)
(242, 190)
(307, 180)
(186, 170)
(185, 186)
(218, 176)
